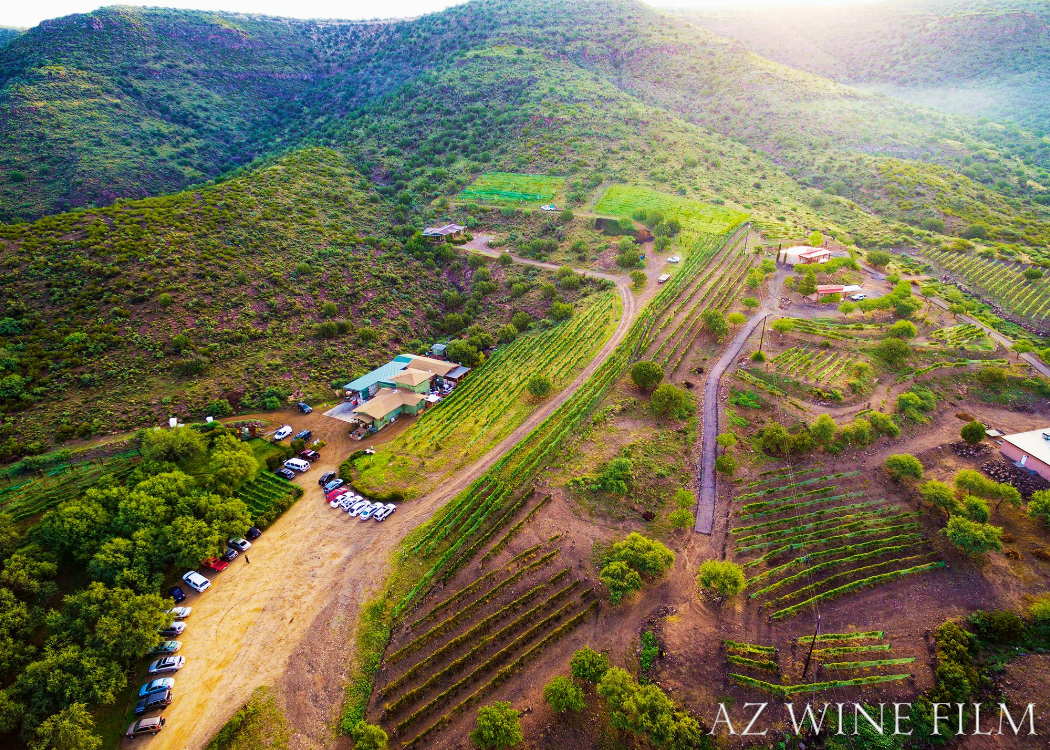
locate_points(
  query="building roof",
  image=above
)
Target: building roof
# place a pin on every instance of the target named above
(443, 231)
(383, 372)
(1032, 442)
(458, 372)
(435, 366)
(438, 348)
(813, 252)
(386, 401)
(412, 377)
(829, 288)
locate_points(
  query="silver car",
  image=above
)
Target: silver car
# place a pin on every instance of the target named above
(384, 513)
(359, 506)
(367, 511)
(167, 664)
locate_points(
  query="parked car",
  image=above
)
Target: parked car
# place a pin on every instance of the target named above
(337, 497)
(367, 512)
(180, 613)
(309, 455)
(360, 505)
(325, 478)
(549, 207)
(166, 648)
(152, 725)
(241, 545)
(153, 702)
(349, 500)
(297, 464)
(283, 432)
(167, 664)
(304, 407)
(285, 474)
(196, 581)
(174, 630)
(254, 533)
(155, 686)
(303, 435)
(385, 512)
(229, 554)
(674, 259)
(333, 484)
(858, 297)
(215, 563)
(177, 594)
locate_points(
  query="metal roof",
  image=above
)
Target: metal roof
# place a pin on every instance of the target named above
(1032, 442)
(458, 372)
(385, 372)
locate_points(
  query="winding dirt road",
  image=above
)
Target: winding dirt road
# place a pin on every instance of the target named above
(288, 617)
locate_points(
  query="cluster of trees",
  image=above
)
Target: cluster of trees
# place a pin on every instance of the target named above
(627, 563)
(966, 501)
(59, 654)
(776, 440)
(721, 577)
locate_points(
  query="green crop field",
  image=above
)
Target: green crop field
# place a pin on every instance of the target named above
(509, 187)
(695, 217)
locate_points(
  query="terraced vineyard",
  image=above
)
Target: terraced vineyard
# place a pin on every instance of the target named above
(25, 498)
(809, 540)
(822, 366)
(1002, 282)
(513, 188)
(456, 651)
(267, 497)
(836, 330)
(966, 336)
(679, 327)
(840, 660)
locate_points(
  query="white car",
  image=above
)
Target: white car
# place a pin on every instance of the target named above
(239, 544)
(167, 664)
(384, 513)
(359, 506)
(858, 297)
(179, 613)
(282, 433)
(196, 581)
(349, 501)
(674, 259)
(549, 207)
(368, 510)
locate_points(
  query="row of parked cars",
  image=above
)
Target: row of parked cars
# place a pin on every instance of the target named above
(338, 495)
(158, 693)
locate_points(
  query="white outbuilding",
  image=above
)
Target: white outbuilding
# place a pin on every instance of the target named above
(803, 254)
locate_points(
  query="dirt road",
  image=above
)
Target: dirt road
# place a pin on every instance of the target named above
(287, 618)
(705, 507)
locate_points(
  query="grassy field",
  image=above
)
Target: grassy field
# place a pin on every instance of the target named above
(508, 187)
(695, 217)
(489, 404)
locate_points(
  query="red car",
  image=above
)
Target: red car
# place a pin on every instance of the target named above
(337, 492)
(309, 455)
(214, 563)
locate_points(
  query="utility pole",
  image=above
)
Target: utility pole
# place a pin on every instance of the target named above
(812, 645)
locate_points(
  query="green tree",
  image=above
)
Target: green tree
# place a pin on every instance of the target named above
(878, 258)
(903, 329)
(540, 386)
(1039, 506)
(647, 375)
(465, 353)
(823, 431)
(846, 308)
(507, 333)
(816, 239)
(884, 424)
(648, 556)
(615, 477)
(726, 440)
(735, 318)
(621, 580)
(498, 726)
(566, 216)
(639, 279)
(561, 311)
(191, 540)
(588, 665)
(972, 432)
(562, 694)
(715, 323)
(749, 302)
(773, 439)
(670, 402)
(64, 676)
(681, 518)
(940, 495)
(178, 445)
(783, 325)
(72, 728)
(973, 538)
(807, 284)
(683, 498)
(722, 577)
(725, 464)
(976, 509)
(368, 736)
(893, 352)
(904, 466)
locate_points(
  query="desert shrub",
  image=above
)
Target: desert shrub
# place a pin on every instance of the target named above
(903, 466)
(670, 402)
(725, 464)
(647, 375)
(997, 626)
(972, 432)
(681, 518)
(539, 386)
(615, 477)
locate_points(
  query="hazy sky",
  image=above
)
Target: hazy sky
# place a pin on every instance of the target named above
(24, 14)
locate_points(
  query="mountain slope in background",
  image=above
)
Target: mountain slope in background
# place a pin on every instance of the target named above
(973, 57)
